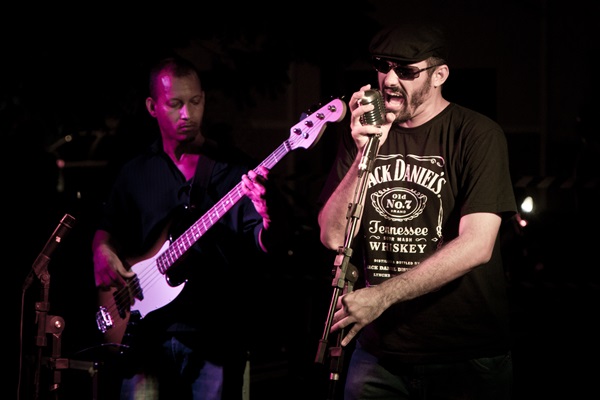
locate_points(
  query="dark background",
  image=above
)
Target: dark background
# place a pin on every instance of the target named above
(72, 91)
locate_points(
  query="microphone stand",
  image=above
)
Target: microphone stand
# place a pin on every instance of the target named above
(52, 324)
(346, 274)
(47, 324)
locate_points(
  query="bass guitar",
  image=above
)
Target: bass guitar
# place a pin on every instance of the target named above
(150, 289)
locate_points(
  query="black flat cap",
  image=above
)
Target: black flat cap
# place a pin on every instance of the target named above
(410, 43)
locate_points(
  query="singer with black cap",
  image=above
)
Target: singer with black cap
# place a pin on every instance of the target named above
(430, 318)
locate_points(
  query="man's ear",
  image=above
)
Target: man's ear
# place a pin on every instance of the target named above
(150, 106)
(440, 75)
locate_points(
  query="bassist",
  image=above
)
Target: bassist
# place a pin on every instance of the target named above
(180, 349)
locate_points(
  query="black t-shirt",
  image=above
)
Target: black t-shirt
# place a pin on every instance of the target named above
(423, 181)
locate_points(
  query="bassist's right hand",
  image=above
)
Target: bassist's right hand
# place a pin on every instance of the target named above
(109, 270)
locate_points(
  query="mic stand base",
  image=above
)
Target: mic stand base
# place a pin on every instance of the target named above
(57, 365)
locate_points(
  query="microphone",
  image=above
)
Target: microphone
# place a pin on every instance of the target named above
(377, 115)
(41, 262)
(373, 117)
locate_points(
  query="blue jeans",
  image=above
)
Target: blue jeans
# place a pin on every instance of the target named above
(482, 378)
(179, 376)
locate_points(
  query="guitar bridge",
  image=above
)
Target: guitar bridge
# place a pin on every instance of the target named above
(103, 319)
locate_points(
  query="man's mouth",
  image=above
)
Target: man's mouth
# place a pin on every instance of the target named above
(393, 99)
(187, 127)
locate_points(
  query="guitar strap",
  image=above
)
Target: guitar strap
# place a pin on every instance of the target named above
(202, 176)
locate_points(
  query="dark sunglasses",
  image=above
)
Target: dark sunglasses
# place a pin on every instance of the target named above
(404, 72)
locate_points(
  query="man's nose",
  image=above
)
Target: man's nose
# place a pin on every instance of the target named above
(184, 112)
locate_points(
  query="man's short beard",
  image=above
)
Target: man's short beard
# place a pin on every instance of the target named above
(416, 100)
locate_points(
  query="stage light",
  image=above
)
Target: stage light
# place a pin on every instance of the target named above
(527, 205)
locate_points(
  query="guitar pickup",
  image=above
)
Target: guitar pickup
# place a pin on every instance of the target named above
(103, 319)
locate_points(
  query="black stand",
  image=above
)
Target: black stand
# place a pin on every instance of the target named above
(52, 324)
(346, 274)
